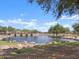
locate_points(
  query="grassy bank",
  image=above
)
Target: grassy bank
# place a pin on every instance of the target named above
(7, 43)
(59, 43)
(2, 57)
(52, 43)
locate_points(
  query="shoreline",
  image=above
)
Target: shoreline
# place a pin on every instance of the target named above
(17, 45)
(26, 44)
(71, 37)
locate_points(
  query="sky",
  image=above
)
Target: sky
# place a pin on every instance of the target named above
(23, 15)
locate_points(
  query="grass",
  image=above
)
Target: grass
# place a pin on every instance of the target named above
(64, 43)
(57, 43)
(13, 53)
(7, 43)
(2, 57)
(24, 50)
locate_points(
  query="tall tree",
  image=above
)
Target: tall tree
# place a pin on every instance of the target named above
(59, 7)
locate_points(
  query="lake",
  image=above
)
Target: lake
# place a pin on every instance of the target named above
(38, 39)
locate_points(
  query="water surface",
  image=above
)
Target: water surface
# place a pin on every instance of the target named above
(38, 39)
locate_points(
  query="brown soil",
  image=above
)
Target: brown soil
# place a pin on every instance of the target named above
(51, 52)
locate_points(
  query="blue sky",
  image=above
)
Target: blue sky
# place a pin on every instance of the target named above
(22, 15)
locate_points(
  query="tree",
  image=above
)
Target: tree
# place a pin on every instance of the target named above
(66, 30)
(76, 28)
(4, 29)
(58, 29)
(50, 29)
(59, 7)
(11, 28)
(34, 31)
(26, 30)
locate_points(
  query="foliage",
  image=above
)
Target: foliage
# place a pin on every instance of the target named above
(58, 29)
(13, 53)
(24, 50)
(3, 28)
(26, 30)
(66, 30)
(7, 28)
(11, 28)
(59, 7)
(76, 28)
(34, 31)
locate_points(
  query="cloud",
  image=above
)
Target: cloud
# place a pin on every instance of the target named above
(1, 21)
(46, 25)
(73, 17)
(52, 23)
(18, 22)
(70, 19)
(68, 26)
(39, 25)
(43, 28)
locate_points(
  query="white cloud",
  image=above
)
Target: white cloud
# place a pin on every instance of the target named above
(73, 17)
(35, 24)
(32, 24)
(46, 25)
(1, 21)
(52, 23)
(68, 26)
(43, 28)
(18, 22)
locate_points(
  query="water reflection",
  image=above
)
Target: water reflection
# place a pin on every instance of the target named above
(37, 39)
